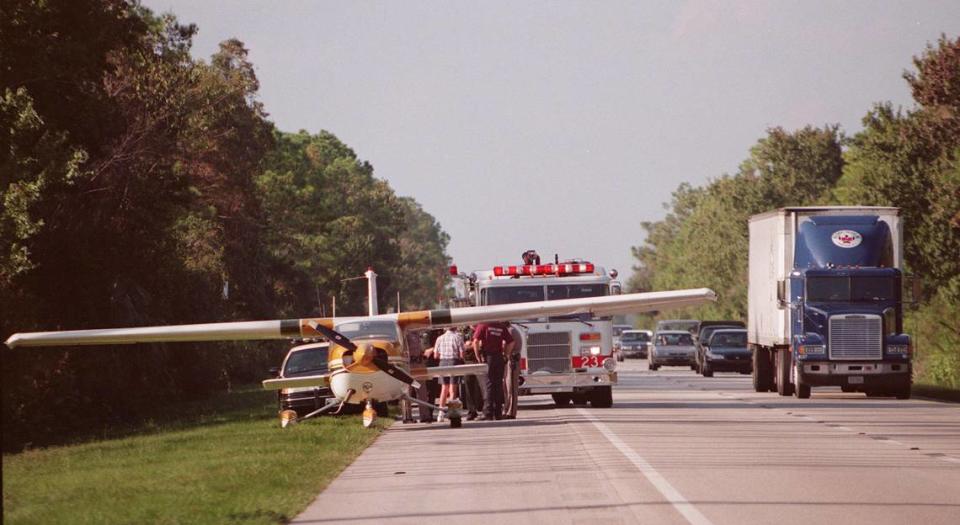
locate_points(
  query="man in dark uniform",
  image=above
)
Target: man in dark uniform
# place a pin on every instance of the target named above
(472, 393)
(493, 341)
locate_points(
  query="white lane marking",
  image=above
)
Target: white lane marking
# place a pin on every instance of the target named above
(684, 507)
(844, 428)
(951, 460)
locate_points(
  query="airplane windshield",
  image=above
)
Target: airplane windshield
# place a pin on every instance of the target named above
(312, 361)
(368, 330)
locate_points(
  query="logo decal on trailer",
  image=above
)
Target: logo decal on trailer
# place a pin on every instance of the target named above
(847, 238)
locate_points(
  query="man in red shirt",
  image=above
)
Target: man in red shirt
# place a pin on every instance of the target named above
(493, 341)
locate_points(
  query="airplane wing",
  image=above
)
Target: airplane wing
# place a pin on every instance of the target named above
(294, 382)
(302, 328)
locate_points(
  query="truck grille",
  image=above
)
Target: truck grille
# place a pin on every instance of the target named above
(856, 337)
(549, 351)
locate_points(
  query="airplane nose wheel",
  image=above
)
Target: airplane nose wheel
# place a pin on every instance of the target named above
(369, 414)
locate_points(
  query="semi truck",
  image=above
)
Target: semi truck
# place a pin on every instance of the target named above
(825, 301)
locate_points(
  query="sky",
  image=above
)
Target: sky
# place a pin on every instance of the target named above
(560, 126)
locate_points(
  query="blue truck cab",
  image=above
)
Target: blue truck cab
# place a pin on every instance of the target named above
(825, 301)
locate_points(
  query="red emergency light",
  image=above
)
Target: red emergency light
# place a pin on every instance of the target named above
(543, 269)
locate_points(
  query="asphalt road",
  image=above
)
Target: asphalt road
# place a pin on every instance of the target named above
(675, 448)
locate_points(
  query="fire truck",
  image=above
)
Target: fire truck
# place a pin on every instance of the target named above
(569, 357)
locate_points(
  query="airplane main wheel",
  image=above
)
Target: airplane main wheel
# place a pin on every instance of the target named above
(456, 422)
(382, 409)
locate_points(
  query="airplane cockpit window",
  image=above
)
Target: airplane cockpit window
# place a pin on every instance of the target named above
(307, 362)
(368, 330)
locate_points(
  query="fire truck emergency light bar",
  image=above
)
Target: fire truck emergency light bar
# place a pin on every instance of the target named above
(543, 269)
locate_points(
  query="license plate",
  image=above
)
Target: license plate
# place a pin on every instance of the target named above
(855, 380)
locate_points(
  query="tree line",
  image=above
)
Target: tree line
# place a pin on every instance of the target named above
(908, 158)
(142, 186)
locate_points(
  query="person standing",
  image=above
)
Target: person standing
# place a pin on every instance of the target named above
(493, 341)
(449, 349)
(472, 393)
(511, 378)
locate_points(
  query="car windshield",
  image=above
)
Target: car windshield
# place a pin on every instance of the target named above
(851, 289)
(707, 332)
(368, 330)
(311, 361)
(738, 339)
(688, 325)
(634, 337)
(674, 339)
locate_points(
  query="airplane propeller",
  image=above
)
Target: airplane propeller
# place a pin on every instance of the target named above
(377, 355)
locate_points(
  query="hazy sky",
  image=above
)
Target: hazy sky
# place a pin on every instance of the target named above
(561, 125)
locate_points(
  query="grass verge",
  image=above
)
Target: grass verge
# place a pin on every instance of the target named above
(229, 466)
(936, 392)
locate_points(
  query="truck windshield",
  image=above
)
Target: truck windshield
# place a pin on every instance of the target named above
(851, 289)
(575, 291)
(513, 294)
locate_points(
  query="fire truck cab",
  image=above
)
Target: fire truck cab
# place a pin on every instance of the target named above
(568, 357)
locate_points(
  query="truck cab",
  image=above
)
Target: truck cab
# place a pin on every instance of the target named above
(825, 302)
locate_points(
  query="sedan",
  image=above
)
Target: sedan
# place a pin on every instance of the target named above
(673, 348)
(726, 351)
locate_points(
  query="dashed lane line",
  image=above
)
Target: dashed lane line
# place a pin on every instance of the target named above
(672, 495)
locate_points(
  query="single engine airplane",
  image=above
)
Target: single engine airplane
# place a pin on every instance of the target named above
(369, 360)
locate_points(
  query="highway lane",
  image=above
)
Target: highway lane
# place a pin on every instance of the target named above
(675, 448)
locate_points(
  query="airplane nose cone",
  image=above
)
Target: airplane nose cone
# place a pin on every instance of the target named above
(364, 354)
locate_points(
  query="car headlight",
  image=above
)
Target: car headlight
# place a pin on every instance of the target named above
(898, 349)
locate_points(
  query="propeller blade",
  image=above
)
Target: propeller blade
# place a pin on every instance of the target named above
(396, 372)
(335, 337)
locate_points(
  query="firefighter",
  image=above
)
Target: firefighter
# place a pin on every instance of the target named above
(494, 342)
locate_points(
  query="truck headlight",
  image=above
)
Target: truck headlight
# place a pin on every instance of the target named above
(812, 350)
(898, 349)
(589, 350)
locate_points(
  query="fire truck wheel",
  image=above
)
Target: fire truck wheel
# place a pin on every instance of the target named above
(561, 400)
(601, 397)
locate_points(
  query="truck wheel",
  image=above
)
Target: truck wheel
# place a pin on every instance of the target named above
(762, 371)
(802, 388)
(601, 397)
(561, 400)
(902, 391)
(847, 388)
(580, 398)
(784, 386)
(706, 370)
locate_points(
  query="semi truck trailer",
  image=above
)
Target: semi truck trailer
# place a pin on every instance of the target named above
(825, 301)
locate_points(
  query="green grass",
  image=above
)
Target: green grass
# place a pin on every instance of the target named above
(227, 463)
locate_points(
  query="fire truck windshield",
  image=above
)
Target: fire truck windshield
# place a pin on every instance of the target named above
(512, 294)
(575, 291)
